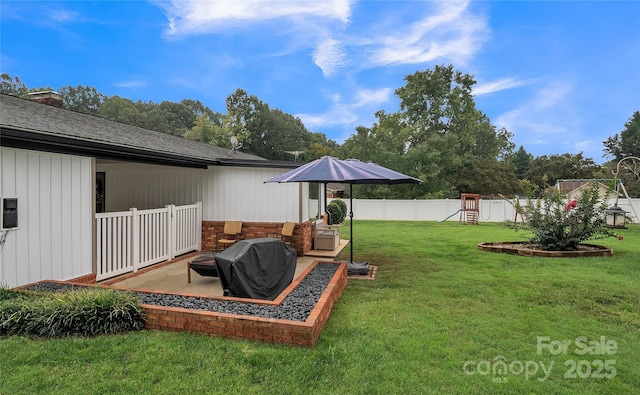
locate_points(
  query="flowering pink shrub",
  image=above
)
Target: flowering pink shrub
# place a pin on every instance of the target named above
(558, 225)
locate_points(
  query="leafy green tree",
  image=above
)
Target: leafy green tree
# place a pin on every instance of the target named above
(546, 170)
(84, 99)
(169, 117)
(445, 127)
(241, 116)
(624, 145)
(12, 86)
(318, 147)
(263, 131)
(490, 177)
(627, 143)
(437, 135)
(378, 143)
(123, 110)
(437, 101)
(275, 132)
(208, 130)
(521, 159)
(359, 145)
(199, 109)
(266, 132)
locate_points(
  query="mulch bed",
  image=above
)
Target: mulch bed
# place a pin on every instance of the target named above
(527, 249)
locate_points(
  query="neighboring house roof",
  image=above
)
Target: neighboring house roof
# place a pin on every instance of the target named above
(603, 190)
(30, 125)
(567, 186)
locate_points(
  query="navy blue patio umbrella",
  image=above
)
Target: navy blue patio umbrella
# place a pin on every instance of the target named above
(349, 171)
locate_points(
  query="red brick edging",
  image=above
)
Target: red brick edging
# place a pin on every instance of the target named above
(235, 326)
(269, 330)
(88, 279)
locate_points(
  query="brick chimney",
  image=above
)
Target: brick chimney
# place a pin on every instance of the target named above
(50, 98)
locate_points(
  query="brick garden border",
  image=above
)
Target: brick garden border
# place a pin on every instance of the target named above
(269, 330)
(235, 326)
(519, 248)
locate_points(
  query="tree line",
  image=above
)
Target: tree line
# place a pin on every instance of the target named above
(437, 134)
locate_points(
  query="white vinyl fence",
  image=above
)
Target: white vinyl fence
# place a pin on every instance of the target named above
(491, 210)
(130, 240)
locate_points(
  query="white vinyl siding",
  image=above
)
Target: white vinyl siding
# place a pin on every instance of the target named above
(53, 238)
(238, 193)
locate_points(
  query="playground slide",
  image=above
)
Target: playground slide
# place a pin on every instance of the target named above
(450, 216)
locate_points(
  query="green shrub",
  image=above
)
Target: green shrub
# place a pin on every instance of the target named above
(556, 227)
(343, 207)
(85, 312)
(336, 215)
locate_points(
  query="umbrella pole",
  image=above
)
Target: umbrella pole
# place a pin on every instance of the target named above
(352, 267)
(324, 197)
(351, 223)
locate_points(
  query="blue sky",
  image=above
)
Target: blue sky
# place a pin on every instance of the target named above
(562, 76)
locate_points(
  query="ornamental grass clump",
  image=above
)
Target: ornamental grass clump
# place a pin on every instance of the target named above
(84, 312)
(559, 224)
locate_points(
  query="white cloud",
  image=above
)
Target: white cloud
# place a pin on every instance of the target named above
(62, 16)
(550, 118)
(416, 33)
(544, 114)
(130, 84)
(370, 96)
(551, 96)
(329, 56)
(349, 115)
(539, 142)
(339, 113)
(585, 146)
(451, 32)
(496, 86)
(198, 16)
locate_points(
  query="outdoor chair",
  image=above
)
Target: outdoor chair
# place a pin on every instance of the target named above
(231, 233)
(286, 234)
(327, 237)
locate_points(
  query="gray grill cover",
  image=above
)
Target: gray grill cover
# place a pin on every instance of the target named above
(256, 268)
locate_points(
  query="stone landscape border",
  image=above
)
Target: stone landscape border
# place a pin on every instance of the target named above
(519, 248)
(270, 330)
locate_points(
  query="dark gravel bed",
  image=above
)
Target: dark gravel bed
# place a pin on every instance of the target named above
(296, 306)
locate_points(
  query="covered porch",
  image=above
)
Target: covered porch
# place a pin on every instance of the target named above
(148, 213)
(171, 276)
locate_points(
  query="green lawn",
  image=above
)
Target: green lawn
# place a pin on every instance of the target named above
(438, 306)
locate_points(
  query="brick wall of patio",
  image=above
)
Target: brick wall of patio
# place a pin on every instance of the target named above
(269, 330)
(88, 279)
(302, 235)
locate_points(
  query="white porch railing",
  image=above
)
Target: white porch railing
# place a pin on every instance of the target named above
(130, 240)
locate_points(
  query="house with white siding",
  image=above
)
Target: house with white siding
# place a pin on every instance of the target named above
(85, 198)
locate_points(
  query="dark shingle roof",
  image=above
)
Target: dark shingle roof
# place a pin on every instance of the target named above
(27, 124)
